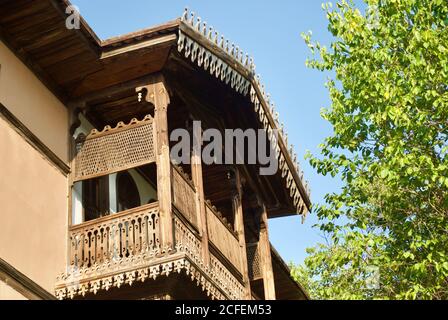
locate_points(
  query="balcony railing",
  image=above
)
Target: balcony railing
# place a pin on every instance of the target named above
(124, 248)
(129, 233)
(223, 238)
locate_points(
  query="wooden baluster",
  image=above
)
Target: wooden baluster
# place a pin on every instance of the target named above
(92, 247)
(144, 232)
(138, 235)
(116, 242)
(105, 243)
(86, 252)
(155, 231)
(72, 253)
(79, 238)
(131, 237)
(99, 245)
(123, 238)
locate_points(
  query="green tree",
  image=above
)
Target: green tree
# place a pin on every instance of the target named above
(387, 228)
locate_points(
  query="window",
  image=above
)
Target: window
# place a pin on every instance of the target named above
(95, 198)
(117, 192)
(128, 196)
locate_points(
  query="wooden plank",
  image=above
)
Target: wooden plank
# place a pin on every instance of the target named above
(21, 10)
(85, 33)
(140, 34)
(164, 40)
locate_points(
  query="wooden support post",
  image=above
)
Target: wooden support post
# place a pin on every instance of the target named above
(265, 255)
(196, 174)
(157, 94)
(239, 228)
(73, 123)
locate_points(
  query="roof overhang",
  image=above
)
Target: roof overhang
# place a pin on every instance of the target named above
(78, 67)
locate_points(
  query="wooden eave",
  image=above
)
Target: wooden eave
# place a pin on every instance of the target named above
(286, 287)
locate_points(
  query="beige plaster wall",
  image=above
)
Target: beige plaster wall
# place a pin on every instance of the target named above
(32, 103)
(33, 212)
(8, 293)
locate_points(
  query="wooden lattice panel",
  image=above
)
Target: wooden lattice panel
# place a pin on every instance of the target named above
(253, 261)
(184, 196)
(117, 149)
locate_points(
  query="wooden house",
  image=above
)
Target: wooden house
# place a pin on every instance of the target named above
(93, 206)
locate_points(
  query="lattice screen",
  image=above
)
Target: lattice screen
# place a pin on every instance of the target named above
(113, 150)
(253, 261)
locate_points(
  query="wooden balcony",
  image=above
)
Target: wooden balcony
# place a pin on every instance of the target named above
(124, 248)
(180, 233)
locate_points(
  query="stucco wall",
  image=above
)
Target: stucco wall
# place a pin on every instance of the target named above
(32, 103)
(33, 213)
(8, 293)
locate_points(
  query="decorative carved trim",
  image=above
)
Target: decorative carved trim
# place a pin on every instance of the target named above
(210, 62)
(155, 90)
(115, 149)
(240, 75)
(121, 126)
(213, 278)
(187, 242)
(33, 140)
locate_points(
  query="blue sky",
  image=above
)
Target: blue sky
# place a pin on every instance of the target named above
(270, 32)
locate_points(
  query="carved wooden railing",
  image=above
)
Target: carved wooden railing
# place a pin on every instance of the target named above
(124, 248)
(184, 195)
(221, 235)
(226, 279)
(115, 149)
(253, 261)
(123, 235)
(189, 243)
